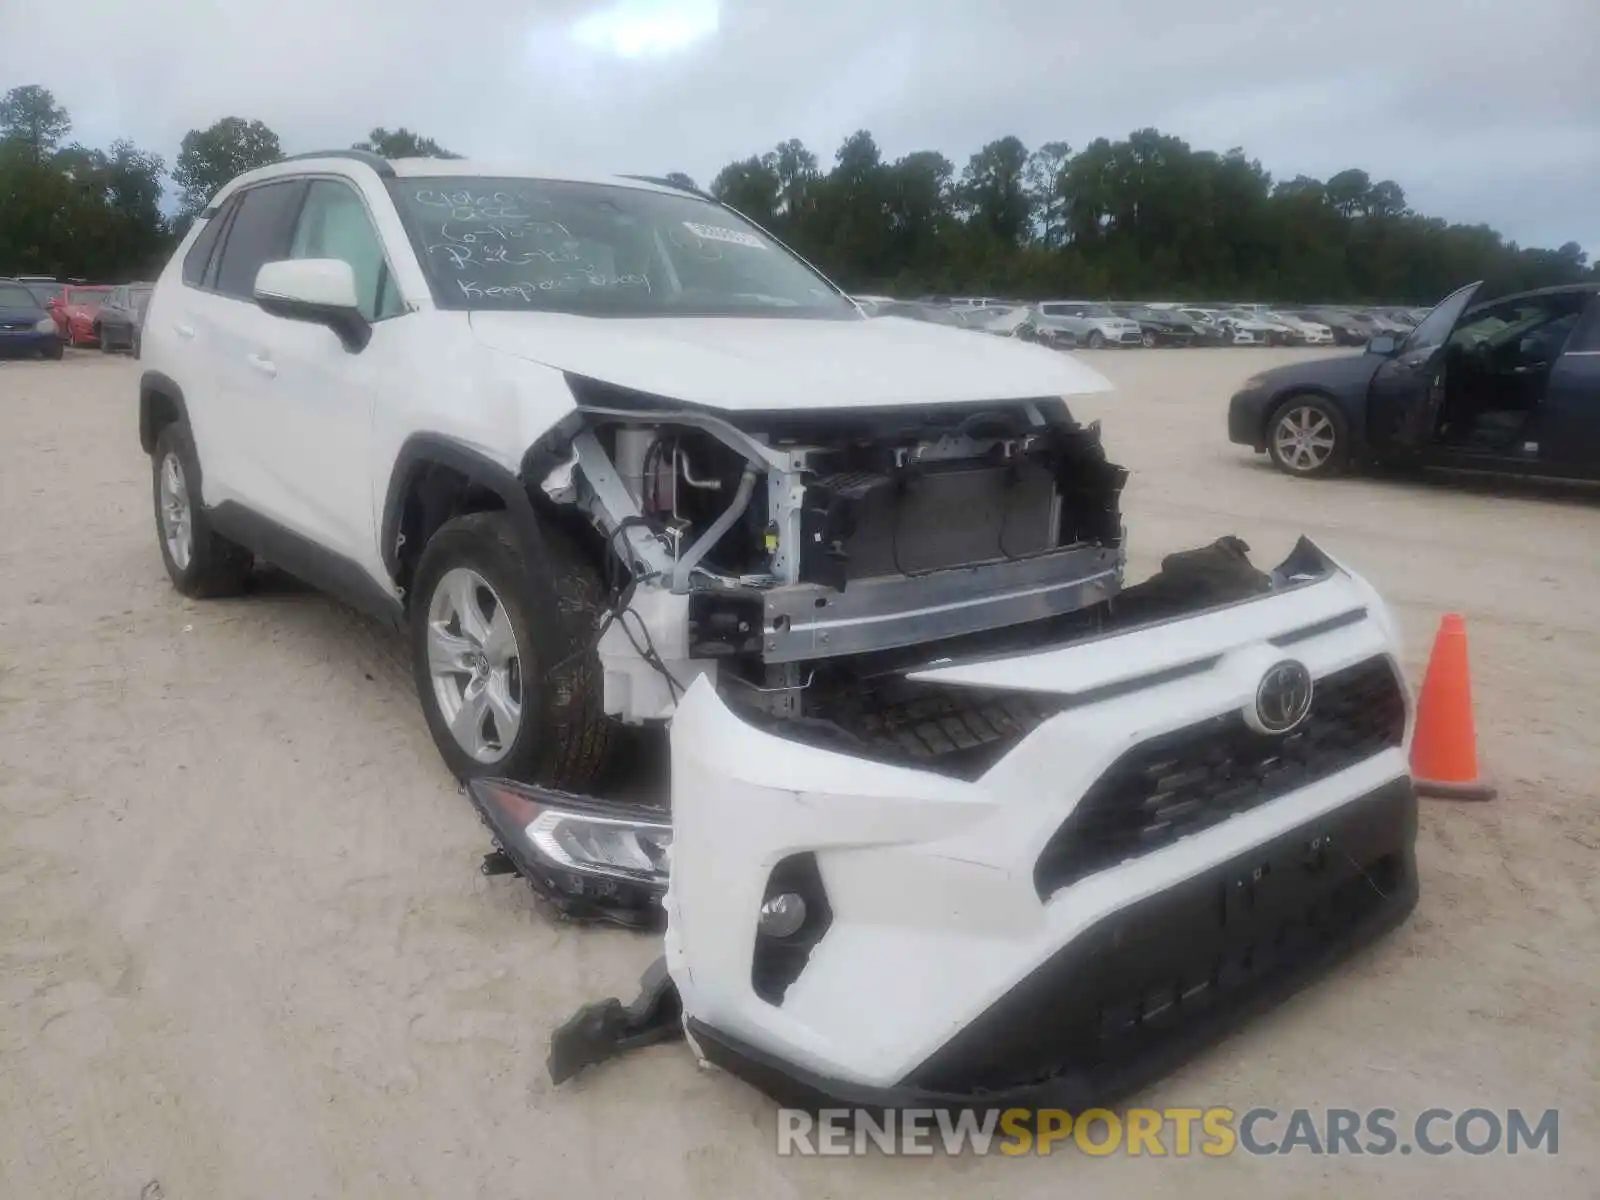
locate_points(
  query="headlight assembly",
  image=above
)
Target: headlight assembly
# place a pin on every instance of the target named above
(593, 859)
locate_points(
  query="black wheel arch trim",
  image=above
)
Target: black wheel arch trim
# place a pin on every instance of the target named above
(151, 385)
(423, 450)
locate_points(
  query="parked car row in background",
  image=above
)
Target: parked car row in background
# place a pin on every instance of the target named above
(1068, 324)
(39, 316)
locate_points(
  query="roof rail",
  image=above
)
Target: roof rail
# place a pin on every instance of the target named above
(376, 161)
(661, 181)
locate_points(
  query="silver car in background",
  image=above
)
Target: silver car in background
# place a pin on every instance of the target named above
(1093, 325)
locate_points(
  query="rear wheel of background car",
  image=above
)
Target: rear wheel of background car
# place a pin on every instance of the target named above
(1307, 436)
(1096, 339)
(503, 656)
(105, 340)
(200, 562)
(1149, 339)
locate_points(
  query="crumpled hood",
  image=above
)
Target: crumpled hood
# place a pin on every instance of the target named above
(755, 363)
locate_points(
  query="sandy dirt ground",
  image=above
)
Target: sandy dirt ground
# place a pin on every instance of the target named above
(245, 950)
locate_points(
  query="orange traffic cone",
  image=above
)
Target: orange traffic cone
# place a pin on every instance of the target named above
(1444, 748)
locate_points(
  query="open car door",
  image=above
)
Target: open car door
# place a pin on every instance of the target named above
(1405, 395)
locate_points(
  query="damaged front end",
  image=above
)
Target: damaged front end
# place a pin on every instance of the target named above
(1036, 874)
(801, 563)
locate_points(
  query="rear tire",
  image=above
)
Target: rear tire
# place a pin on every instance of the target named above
(104, 339)
(1096, 339)
(1308, 437)
(200, 562)
(503, 658)
(1149, 340)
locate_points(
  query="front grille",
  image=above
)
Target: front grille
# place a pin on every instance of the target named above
(956, 731)
(1185, 781)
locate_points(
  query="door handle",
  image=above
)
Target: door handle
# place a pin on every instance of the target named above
(183, 331)
(265, 365)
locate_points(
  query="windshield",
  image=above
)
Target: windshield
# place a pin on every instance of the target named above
(14, 295)
(87, 297)
(517, 244)
(42, 292)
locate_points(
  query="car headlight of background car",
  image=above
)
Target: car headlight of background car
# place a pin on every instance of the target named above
(45, 325)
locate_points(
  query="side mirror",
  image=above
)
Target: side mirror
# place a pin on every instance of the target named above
(1384, 344)
(319, 290)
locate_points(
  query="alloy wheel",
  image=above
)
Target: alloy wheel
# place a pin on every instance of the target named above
(1305, 438)
(474, 664)
(177, 518)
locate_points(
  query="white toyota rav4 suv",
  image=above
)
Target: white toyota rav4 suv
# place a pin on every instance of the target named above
(612, 454)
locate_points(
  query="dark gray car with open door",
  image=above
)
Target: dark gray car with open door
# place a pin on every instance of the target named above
(1510, 384)
(120, 320)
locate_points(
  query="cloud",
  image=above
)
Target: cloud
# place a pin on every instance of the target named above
(1482, 111)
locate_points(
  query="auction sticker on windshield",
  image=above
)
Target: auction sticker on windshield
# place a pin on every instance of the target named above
(716, 233)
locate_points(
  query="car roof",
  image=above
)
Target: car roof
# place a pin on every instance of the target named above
(350, 162)
(1556, 290)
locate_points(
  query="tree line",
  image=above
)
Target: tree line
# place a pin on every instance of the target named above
(74, 212)
(1141, 217)
(1145, 217)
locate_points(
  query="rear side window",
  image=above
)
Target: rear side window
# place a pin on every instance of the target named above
(259, 233)
(195, 262)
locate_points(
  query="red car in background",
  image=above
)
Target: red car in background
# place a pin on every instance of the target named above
(74, 312)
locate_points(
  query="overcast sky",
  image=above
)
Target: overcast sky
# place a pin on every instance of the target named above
(1482, 111)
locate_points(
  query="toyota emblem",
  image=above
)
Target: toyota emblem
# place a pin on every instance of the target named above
(1283, 698)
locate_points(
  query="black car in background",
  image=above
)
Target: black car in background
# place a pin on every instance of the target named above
(1512, 384)
(1161, 327)
(26, 327)
(121, 318)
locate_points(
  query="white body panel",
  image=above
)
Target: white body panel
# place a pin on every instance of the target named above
(930, 878)
(738, 364)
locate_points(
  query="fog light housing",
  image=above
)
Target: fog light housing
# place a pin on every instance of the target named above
(783, 915)
(795, 916)
(593, 859)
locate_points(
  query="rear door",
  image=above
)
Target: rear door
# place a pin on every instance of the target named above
(1568, 418)
(1404, 397)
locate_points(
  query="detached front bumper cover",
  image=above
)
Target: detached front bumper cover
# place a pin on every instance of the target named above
(847, 931)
